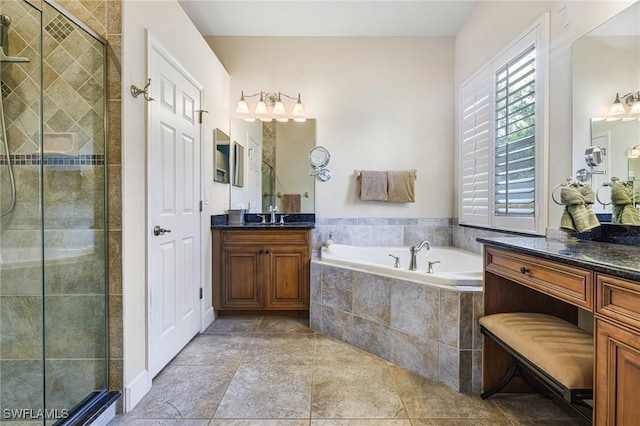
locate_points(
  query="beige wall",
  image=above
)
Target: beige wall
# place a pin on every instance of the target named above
(495, 23)
(380, 103)
(172, 28)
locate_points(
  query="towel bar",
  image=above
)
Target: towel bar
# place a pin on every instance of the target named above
(357, 173)
(305, 195)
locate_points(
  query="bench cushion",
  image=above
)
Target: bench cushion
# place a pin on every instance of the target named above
(557, 347)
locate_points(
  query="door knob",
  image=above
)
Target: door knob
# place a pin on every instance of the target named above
(160, 231)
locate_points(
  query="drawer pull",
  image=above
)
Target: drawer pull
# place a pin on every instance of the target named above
(524, 270)
(260, 251)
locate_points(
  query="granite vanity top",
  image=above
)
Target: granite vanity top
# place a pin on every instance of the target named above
(265, 226)
(613, 259)
(253, 222)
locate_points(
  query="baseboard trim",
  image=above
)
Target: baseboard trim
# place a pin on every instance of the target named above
(207, 319)
(136, 390)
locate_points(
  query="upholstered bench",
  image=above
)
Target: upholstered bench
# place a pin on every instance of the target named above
(557, 352)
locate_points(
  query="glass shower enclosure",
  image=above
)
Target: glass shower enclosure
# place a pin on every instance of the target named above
(53, 332)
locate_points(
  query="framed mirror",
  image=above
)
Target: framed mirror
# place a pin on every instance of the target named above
(221, 155)
(238, 164)
(606, 64)
(276, 170)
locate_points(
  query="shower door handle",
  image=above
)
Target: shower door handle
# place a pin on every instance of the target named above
(160, 231)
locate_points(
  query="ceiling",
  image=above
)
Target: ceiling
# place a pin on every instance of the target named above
(302, 18)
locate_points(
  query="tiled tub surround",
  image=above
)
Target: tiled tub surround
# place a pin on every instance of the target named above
(395, 232)
(382, 232)
(431, 331)
(428, 330)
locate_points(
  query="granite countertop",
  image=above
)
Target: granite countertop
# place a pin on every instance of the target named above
(265, 226)
(613, 259)
(254, 222)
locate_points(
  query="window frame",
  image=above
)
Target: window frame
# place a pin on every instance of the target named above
(470, 214)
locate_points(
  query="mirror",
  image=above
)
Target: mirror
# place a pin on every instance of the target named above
(221, 156)
(238, 164)
(277, 166)
(606, 62)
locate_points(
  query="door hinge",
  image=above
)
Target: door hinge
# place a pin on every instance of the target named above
(200, 205)
(200, 292)
(200, 111)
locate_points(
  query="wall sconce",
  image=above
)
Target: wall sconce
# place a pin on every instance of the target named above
(630, 99)
(270, 106)
(633, 151)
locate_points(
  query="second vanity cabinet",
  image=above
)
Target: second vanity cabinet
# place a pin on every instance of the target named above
(261, 270)
(546, 276)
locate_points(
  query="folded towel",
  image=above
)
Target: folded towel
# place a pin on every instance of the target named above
(577, 215)
(622, 200)
(401, 186)
(290, 203)
(373, 185)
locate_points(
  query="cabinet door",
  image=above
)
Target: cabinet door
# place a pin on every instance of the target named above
(241, 278)
(617, 375)
(288, 284)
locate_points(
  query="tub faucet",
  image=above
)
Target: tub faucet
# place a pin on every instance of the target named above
(413, 266)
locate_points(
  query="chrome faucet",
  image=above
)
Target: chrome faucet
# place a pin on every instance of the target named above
(274, 211)
(413, 266)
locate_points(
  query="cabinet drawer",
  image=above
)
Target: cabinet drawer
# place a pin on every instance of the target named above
(618, 299)
(573, 285)
(266, 236)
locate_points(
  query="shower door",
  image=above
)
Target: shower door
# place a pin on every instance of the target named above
(53, 335)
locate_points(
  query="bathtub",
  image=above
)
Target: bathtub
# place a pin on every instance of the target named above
(457, 267)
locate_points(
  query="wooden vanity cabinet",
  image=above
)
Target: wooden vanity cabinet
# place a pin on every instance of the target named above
(516, 282)
(261, 270)
(617, 351)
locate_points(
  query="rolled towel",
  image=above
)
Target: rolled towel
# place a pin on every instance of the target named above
(401, 186)
(373, 185)
(622, 200)
(578, 215)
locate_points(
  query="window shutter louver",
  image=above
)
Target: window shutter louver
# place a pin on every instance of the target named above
(514, 188)
(475, 152)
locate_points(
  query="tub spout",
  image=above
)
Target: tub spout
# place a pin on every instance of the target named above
(413, 264)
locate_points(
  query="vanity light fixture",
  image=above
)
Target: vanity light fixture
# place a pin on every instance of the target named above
(630, 99)
(270, 106)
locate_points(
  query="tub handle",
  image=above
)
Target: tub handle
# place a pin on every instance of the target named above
(397, 263)
(430, 266)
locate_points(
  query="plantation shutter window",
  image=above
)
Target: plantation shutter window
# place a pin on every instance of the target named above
(503, 137)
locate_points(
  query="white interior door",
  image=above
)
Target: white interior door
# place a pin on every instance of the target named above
(255, 176)
(173, 188)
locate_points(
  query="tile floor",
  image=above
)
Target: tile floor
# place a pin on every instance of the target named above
(276, 371)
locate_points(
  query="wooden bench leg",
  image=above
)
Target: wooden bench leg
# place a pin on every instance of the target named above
(514, 371)
(507, 378)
